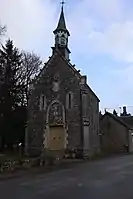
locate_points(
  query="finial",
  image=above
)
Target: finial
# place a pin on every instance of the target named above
(62, 2)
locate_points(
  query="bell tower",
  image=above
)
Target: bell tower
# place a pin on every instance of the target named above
(61, 35)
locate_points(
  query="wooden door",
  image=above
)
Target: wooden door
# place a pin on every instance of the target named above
(56, 138)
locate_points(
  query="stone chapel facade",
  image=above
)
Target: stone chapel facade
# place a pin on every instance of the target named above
(63, 111)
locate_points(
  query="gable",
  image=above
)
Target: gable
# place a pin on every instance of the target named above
(58, 75)
(58, 64)
(54, 60)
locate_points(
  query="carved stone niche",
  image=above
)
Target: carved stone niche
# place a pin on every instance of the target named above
(55, 114)
(56, 83)
(56, 86)
(56, 77)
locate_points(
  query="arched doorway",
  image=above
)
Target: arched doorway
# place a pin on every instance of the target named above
(56, 129)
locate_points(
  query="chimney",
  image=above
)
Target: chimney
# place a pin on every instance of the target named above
(124, 110)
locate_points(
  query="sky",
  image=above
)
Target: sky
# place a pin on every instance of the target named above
(101, 40)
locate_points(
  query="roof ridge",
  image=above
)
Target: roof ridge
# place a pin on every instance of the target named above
(117, 118)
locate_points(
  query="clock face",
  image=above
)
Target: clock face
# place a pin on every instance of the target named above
(55, 86)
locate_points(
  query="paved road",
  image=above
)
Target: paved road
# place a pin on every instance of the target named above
(110, 178)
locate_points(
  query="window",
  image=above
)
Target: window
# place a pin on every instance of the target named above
(69, 100)
(85, 104)
(57, 39)
(63, 41)
(40, 103)
(43, 102)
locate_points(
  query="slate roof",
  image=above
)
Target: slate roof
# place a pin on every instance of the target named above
(128, 120)
(116, 118)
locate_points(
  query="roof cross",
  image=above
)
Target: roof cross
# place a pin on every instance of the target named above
(62, 2)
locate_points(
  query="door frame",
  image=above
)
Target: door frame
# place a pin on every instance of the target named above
(48, 125)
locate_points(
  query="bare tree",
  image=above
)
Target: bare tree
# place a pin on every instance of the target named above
(30, 67)
(2, 31)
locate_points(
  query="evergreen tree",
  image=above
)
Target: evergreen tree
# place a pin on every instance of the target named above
(10, 62)
(17, 70)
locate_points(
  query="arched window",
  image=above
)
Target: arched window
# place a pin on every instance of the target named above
(69, 100)
(57, 39)
(63, 40)
(43, 102)
(85, 104)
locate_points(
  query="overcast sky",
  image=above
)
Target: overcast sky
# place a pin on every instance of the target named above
(101, 40)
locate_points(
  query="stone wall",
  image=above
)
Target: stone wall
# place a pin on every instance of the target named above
(55, 82)
(90, 115)
(68, 81)
(114, 135)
